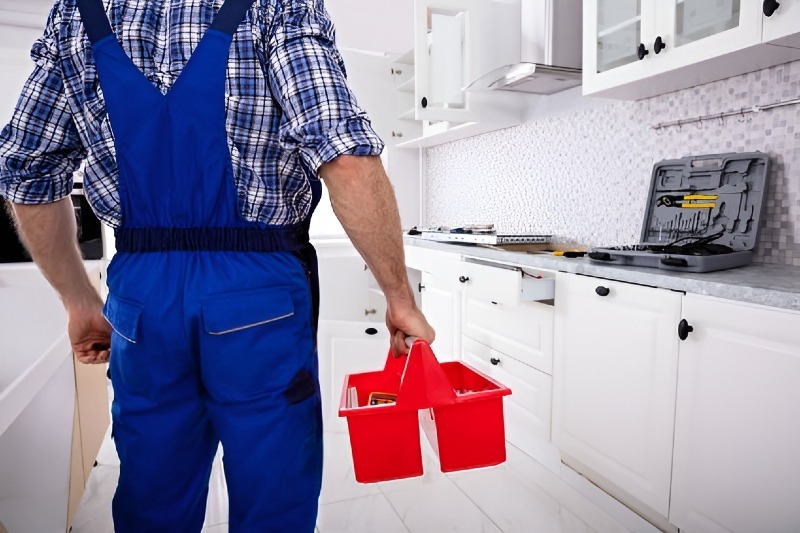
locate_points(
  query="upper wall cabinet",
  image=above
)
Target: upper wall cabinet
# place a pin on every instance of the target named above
(455, 41)
(635, 49)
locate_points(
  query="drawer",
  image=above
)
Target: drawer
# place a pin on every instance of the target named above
(506, 285)
(527, 410)
(524, 331)
(434, 261)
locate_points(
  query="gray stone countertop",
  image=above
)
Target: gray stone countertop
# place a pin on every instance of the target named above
(764, 284)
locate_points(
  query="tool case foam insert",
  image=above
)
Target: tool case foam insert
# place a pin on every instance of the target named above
(695, 198)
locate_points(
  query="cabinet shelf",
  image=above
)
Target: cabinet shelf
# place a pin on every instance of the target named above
(407, 86)
(618, 27)
(407, 115)
(407, 58)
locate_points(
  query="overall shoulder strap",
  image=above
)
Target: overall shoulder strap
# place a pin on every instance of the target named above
(230, 15)
(95, 20)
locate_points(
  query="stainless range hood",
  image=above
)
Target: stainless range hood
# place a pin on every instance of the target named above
(550, 52)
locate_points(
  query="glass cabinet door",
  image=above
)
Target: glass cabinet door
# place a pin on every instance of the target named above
(619, 32)
(698, 19)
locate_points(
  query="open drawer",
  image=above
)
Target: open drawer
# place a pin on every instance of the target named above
(507, 284)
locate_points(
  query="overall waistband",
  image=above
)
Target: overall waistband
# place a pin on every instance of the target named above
(271, 239)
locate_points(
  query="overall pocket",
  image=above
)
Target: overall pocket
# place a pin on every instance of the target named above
(126, 367)
(253, 343)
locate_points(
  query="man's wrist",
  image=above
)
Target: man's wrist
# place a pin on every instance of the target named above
(82, 295)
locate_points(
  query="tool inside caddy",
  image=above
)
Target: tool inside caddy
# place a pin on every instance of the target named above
(698, 207)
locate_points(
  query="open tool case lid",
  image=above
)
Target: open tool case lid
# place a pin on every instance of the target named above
(697, 197)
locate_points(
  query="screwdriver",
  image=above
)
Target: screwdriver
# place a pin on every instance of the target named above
(569, 254)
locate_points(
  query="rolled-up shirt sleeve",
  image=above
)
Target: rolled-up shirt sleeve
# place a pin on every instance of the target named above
(40, 148)
(307, 77)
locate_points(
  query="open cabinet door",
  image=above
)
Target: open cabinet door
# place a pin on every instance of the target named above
(443, 30)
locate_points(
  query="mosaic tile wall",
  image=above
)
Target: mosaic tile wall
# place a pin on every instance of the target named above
(583, 174)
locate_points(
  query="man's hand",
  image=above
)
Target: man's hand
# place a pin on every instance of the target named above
(89, 334)
(48, 231)
(407, 322)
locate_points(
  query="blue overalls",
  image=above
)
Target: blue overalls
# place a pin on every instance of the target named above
(213, 316)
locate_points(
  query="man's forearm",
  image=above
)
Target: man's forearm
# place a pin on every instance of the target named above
(363, 200)
(49, 233)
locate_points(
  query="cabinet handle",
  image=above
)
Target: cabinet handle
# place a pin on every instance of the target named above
(368, 312)
(770, 7)
(424, 102)
(494, 361)
(371, 331)
(463, 279)
(659, 45)
(420, 286)
(602, 291)
(642, 51)
(684, 329)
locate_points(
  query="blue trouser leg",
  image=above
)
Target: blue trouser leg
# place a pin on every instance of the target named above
(215, 345)
(162, 431)
(273, 463)
(263, 398)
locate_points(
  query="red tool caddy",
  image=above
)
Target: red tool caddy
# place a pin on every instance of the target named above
(459, 409)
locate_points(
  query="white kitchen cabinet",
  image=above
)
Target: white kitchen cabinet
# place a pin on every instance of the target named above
(640, 48)
(371, 78)
(527, 410)
(345, 283)
(781, 22)
(614, 382)
(457, 41)
(501, 311)
(737, 429)
(440, 296)
(346, 347)
(441, 305)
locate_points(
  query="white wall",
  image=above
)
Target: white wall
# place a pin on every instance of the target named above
(580, 168)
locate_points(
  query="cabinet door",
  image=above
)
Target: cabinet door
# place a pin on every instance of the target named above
(527, 411)
(441, 305)
(346, 348)
(614, 382)
(443, 29)
(737, 427)
(696, 30)
(613, 32)
(344, 282)
(782, 27)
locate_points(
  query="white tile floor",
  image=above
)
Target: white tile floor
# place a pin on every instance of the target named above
(518, 496)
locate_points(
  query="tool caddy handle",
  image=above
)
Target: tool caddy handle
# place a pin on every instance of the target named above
(423, 382)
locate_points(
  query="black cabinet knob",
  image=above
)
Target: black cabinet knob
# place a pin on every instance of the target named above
(770, 7)
(642, 51)
(684, 329)
(463, 279)
(602, 291)
(424, 102)
(420, 286)
(494, 361)
(659, 45)
(371, 331)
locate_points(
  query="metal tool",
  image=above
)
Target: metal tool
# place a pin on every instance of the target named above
(688, 201)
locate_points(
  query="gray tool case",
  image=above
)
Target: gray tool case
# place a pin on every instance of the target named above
(702, 215)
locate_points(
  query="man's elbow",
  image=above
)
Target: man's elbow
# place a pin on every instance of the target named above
(350, 167)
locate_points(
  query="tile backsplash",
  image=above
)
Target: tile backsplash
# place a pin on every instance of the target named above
(583, 173)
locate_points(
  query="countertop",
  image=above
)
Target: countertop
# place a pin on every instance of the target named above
(763, 284)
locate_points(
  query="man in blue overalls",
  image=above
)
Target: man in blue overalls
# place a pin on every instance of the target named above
(213, 290)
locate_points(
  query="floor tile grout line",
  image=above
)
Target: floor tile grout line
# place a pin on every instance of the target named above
(349, 499)
(478, 507)
(396, 512)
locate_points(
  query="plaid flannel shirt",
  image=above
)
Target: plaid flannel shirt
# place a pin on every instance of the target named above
(289, 109)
